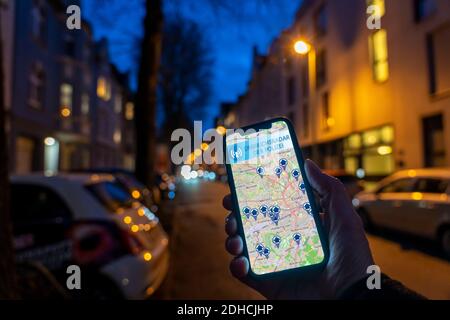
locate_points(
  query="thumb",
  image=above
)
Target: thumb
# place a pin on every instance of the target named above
(320, 181)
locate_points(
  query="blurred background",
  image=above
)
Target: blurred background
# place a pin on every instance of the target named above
(87, 111)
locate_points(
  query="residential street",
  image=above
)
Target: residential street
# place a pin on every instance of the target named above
(199, 262)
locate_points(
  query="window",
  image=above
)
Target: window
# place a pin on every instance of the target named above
(328, 121)
(438, 49)
(430, 185)
(321, 21)
(434, 141)
(305, 79)
(25, 155)
(118, 104)
(117, 137)
(65, 100)
(129, 111)
(111, 194)
(84, 104)
(37, 80)
(103, 89)
(38, 20)
(321, 68)
(423, 9)
(33, 204)
(379, 55)
(291, 91)
(305, 119)
(402, 185)
(69, 46)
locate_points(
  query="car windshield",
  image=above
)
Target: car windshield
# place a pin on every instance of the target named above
(111, 194)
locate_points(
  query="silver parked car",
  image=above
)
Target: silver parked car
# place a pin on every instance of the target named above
(411, 201)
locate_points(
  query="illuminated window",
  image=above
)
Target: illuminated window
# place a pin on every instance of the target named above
(379, 55)
(103, 89)
(129, 111)
(380, 5)
(117, 137)
(65, 100)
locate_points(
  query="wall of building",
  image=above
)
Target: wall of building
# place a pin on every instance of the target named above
(363, 113)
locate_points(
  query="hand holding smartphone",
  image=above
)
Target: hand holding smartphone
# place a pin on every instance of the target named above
(277, 217)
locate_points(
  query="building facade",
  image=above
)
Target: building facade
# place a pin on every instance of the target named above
(367, 98)
(7, 8)
(68, 100)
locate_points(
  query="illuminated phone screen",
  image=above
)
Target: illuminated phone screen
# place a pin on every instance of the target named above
(280, 231)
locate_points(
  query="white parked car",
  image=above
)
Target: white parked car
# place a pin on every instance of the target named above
(91, 221)
(412, 201)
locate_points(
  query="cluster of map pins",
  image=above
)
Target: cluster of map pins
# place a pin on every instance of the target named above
(262, 250)
(274, 214)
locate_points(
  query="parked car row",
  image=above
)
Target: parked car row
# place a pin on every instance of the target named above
(94, 221)
(412, 201)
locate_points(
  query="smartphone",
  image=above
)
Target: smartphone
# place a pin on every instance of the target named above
(277, 215)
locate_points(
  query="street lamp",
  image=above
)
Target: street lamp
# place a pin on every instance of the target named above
(302, 47)
(305, 48)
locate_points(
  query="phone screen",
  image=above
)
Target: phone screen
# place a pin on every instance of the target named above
(279, 229)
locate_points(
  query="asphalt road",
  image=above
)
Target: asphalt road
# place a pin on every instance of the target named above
(199, 262)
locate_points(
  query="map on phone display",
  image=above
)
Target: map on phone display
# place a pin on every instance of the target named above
(280, 231)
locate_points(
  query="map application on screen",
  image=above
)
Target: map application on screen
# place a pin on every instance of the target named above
(280, 231)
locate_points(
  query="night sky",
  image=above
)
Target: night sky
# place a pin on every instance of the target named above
(232, 32)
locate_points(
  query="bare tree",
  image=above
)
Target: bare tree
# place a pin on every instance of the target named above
(8, 287)
(185, 74)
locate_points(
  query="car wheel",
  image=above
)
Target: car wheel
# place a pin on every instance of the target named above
(365, 219)
(445, 242)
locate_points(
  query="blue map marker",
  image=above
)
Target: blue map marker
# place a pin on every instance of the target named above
(276, 241)
(266, 252)
(297, 238)
(296, 173)
(283, 163)
(263, 209)
(260, 171)
(254, 213)
(274, 214)
(260, 249)
(307, 207)
(278, 171)
(246, 212)
(302, 187)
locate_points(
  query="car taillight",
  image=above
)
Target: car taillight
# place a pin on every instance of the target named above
(95, 242)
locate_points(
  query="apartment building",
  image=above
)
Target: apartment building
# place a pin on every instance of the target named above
(367, 99)
(68, 102)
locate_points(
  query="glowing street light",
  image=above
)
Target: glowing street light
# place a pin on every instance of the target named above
(65, 112)
(302, 47)
(221, 130)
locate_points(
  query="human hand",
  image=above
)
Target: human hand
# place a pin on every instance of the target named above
(349, 249)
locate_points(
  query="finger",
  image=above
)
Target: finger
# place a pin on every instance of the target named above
(231, 225)
(234, 245)
(319, 181)
(239, 268)
(227, 202)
